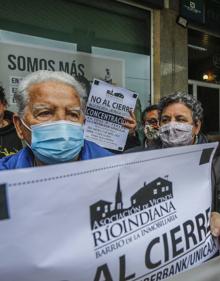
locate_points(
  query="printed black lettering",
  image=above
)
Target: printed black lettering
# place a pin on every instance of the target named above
(96, 99)
(176, 241)
(12, 64)
(97, 237)
(149, 264)
(51, 64)
(166, 248)
(81, 71)
(207, 212)
(122, 274)
(4, 213)
(14, 80)
(64, 66)
(32, 64)
(21, 63)
(43, 64)
(73, 70)
(201, 227)
(116, 230)
(188, 228)
(14, 90)
(103, 272)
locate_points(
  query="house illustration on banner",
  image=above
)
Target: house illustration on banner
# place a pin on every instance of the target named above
(147, 196)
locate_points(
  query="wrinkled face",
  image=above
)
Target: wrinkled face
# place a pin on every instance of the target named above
(49, 101)
(152, 118)
(178, 112)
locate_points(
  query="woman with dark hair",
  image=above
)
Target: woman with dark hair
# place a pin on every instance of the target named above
(9, 141)
(180, 124)
(181, 118)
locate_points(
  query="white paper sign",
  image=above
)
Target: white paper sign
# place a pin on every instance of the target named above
(21, 59)
(140, 216)
(106, 107)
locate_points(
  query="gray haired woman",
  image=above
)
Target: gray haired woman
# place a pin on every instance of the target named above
(180, 124)
(180, 120)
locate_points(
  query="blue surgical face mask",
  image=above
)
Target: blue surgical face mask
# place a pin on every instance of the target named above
(56, 142)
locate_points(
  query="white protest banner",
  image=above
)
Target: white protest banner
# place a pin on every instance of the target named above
(20, 59)
(106, 107)
(209, 271)
(140, 216)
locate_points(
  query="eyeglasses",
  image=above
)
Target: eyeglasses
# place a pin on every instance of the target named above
(152, 121)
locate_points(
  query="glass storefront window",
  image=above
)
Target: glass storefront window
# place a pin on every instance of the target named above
(204, 57)
(81, 37)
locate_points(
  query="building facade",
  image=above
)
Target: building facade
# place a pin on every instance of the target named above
(144, 45)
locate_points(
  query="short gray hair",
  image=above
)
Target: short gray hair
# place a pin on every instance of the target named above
(22, 94)
(188, 100)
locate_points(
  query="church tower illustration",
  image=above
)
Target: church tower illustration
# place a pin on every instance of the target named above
(148, 195)
(118, 197)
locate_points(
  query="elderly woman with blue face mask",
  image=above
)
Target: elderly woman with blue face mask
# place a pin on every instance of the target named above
(50, 121)
(180, 120)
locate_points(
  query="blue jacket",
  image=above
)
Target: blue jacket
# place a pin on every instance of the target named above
(25, 159)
